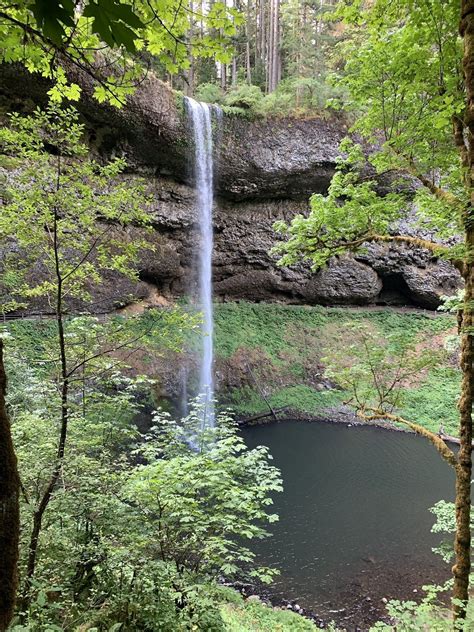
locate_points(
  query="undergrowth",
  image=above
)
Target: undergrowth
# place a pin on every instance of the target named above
(285, 347)
(265, 325)
(301, 398)
(256, 617)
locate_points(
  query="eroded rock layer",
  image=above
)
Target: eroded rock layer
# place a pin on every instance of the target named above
(244, 269)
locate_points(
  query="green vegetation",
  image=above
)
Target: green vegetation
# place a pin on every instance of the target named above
(272, 57)
(410, 76)
(299, 398)
(122, 530)
(433, 403)
(296, 97)
(138, 531)
(286, 346)
(256, 617)
(265, 325)
(411, 616)
(65, 210)
(283, 56)
(445, 523)
(115, 43)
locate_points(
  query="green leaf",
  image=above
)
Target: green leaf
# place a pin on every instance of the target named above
(114, 22)
(52, 16)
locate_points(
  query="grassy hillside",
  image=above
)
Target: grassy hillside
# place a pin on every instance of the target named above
(281, 349)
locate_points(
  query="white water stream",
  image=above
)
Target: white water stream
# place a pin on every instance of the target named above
(200, 118)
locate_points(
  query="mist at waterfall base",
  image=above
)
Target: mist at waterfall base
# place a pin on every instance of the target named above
(199, 116)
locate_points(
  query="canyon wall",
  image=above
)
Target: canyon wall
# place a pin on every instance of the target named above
(265, 171)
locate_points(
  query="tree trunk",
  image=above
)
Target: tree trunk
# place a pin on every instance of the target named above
(274, 65)
(277, 64)
(269, 64)
(223, 77)
(262, 33)
(9, 510)
(248, 66)
(462, 544)
(300, 24)
(223, 66)
(191, 73)
(48, 492)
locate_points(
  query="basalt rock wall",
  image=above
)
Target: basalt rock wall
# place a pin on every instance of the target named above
(265, 170)
(244, 269)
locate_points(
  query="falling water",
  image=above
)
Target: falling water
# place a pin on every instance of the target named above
(184, 391)
(200, 117)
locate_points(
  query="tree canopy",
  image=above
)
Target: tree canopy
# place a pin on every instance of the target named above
(110, 40)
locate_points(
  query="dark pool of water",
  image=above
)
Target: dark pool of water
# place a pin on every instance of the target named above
(354, 522)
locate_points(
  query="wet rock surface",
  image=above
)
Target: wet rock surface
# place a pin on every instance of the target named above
(243, 267)
(265, 171)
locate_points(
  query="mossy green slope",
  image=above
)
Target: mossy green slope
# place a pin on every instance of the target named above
(284, 347)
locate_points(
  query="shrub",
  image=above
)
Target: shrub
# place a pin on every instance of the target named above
(201, 495)
(209, 93)
(137, 532)
(245, 97)
(409, 616)
(304, 95)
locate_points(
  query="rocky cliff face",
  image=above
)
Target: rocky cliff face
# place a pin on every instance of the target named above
(265, 170)
(244, 269)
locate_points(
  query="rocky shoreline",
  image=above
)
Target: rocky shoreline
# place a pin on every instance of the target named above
(361, 614)
(342, 415)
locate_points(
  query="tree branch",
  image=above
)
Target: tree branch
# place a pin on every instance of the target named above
(435, 248)
(441, 194)
(377, 414)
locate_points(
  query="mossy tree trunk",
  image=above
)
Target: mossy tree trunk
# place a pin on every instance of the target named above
(9, 509)
(462, 544)
(465, 141)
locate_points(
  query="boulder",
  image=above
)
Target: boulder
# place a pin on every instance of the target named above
(428, 284)
(344, 281)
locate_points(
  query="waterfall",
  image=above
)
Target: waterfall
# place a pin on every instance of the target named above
(200, 117)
